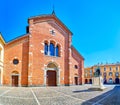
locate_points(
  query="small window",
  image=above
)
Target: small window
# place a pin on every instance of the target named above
(104, 68)
(110, 73)
(110, 68)
(117, 74)
(76, 67)
(116, 68)
(15, 61)
(90, 71)
(104, 74)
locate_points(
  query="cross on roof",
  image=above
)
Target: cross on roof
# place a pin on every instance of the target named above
(52, 32)
(53, 12)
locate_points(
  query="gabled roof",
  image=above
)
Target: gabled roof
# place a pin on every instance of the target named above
(51, 17)
(41, 18)
(18, 38)
(72, 47)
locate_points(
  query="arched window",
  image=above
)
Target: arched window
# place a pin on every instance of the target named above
(104, 68)
(116, 68)
(110, 73)
(52, 49)
(57, 51)
(104, 74)
(110, 68)
(117, 74)
(46, 49)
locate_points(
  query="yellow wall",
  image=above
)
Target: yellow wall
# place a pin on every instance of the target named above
(107, 66)
(1, 58)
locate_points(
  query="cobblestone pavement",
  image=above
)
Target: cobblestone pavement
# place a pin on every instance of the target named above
(72, 95)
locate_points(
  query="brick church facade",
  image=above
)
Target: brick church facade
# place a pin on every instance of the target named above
(43, 56)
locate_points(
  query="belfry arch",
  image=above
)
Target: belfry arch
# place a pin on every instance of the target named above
(52, 75)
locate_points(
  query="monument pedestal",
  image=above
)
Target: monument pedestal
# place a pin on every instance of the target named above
(97, 84)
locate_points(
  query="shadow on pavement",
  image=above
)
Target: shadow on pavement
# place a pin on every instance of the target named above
(78, 91)
(101, 98)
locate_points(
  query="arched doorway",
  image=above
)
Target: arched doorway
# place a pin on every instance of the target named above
(105, 81)
(117, 80)
(90, 81)
(76, 80)
(110, 80)
(15, 78)
(86, 81)
(52, 75)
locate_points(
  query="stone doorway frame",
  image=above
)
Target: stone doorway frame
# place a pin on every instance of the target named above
(52, 69)
(15, 73)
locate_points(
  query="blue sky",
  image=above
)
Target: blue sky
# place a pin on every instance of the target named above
(95, 24)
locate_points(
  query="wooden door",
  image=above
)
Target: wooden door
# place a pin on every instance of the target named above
(51, 78)
(76, 80)
(14, 80)
(90, 81)
(86, 81)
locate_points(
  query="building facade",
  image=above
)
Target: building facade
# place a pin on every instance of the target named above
(109, 72)
(42, 57)
(2, 43)
(88, 74)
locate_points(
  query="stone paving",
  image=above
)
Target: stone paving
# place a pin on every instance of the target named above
(72, 95)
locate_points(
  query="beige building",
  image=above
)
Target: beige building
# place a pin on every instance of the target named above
(109, 72)
(1, 58)
(88, 74)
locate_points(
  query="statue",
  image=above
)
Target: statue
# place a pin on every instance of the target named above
(97, 73)
(97, 81)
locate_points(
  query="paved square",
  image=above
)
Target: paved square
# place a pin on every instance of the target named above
(72, 95)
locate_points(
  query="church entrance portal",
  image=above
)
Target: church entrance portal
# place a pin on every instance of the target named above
(52, 75)
(51, 78)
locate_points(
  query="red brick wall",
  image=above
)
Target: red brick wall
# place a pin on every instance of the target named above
(32, 60)
(76, 59)
(24, 72)
(16, 49)
(39, 32)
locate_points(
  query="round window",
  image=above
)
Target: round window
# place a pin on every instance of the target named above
(76, 67)
(15, 61)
